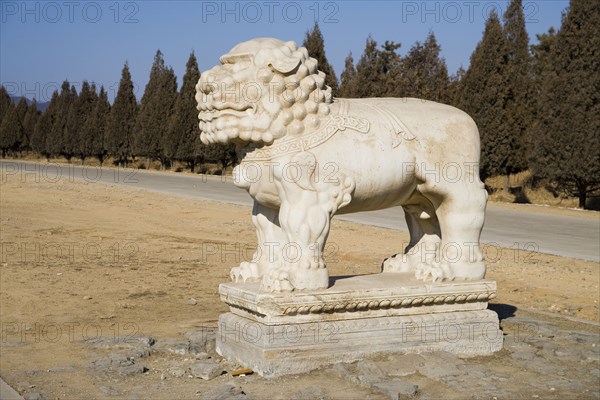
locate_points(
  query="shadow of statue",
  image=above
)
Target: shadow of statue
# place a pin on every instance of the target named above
(504, 311)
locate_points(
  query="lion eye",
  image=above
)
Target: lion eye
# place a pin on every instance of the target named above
(241, 65)
(265, 74)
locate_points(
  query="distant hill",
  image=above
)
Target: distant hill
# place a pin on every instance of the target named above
(41, 106)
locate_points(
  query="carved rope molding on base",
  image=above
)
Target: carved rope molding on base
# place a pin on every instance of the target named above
(357, 305)
(390, 303)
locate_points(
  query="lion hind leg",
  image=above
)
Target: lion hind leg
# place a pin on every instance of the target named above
(460, 209)
(461, 221)
(424, 230)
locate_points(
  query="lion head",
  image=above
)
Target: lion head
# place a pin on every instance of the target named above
(265, 89)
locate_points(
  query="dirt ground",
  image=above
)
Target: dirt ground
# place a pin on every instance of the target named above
(83, 260)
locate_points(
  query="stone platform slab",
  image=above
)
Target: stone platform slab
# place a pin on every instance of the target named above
(374, 295)
(286, 333)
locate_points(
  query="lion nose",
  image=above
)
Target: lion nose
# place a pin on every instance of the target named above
(204, 85)
(207, 82)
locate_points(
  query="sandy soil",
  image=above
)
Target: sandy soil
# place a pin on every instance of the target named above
(81, 260)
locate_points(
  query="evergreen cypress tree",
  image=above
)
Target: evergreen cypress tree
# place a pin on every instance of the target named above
(377, 70)
(155, 111)
(11, 129)
(454, 83)
(141, 145)
(95, 127)
(541, 51)
(566, 135)
(424, 73)
(68, 139)
(482, 96)
(75, 137)
(5, 102)
(518, 82)
(167, 144)
(389, 68)
(122, 120)
(57, 142)
(315, 44)
(347, 87)
(368, 79)
(29, 121)
(183, 128)
(540, 58)
(222, 155)
(43, 128)
(12, 132)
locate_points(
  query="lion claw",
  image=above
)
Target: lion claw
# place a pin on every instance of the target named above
(246, 272)
(277, 281)
(396, 263)
(435, 272)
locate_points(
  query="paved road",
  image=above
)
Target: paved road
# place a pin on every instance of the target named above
(7, 392)
(553, 234)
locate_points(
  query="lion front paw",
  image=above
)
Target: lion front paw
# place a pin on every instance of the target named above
(436, 272)
(397, 263)
(277, 280)
(246, 272)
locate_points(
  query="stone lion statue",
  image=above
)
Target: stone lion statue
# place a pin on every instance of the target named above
(306, 156)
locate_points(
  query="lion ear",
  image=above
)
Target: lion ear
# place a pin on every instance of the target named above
(285, 65)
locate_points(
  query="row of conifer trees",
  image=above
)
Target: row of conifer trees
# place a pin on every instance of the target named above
(163, 126)
(537, 107)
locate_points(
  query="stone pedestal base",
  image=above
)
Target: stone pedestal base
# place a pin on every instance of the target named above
(277, 334)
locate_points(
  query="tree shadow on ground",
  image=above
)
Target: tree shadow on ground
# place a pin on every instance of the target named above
(520, 195)
(593, 203)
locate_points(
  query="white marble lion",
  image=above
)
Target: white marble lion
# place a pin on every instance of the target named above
(307, 156)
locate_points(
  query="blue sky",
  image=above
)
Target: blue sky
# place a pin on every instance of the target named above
(44, 42)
